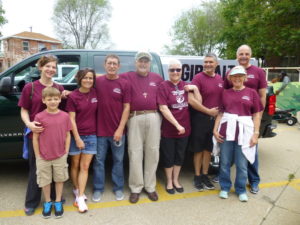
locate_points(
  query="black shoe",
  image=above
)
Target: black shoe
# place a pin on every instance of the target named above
(47, 207)
(29, 211)
(170, 191)
(58, 209)
(207, 183)
(198, 183)
(179, 189)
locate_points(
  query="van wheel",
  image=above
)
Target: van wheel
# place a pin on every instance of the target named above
(291, 121)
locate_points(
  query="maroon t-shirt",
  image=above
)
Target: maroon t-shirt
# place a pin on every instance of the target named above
(256, 79)
(210, 89)
(111, 94)
(85, 107)
(143, 90)
(34, 105)
(176, 99)
(53, 138)
(243, 103)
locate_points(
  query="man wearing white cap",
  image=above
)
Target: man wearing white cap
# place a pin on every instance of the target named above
(143, 128)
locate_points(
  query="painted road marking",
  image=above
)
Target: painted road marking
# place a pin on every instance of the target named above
(163, 196)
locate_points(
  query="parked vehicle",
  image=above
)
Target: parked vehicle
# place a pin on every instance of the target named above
(285, 116)
(14, 79)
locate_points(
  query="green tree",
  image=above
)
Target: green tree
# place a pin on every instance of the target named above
(270, 27)
(82, 23)
(197, 31)
(2, 18)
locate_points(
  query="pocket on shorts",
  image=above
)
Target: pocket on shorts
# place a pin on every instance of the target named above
(90, 144)
(66, 171)
(38, 171)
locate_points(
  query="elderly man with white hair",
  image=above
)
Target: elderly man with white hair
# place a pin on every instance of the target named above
(143, 128)
(172, 98)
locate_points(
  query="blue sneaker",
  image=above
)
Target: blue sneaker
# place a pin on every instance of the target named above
(223, 194)
(243, 197)
(58, 209)
(47, 207)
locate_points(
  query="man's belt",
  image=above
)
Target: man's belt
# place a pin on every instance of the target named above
(136, 113)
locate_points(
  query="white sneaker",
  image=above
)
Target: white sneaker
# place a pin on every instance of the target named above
(119, 195)
(97, 196)
(82, 207)
(76, 193)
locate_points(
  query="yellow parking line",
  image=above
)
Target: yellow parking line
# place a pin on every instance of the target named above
(163, 196)
(286, 128)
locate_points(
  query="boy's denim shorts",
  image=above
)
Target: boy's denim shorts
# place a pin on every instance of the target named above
(90, 142)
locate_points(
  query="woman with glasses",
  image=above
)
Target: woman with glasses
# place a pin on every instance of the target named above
(173, 103)
(82, 107)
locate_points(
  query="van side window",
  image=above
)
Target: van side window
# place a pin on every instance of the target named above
(67, 67)
(127, 63)
(25, 74)
(155, 66)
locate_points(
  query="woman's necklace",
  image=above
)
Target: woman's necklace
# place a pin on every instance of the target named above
(86, 94)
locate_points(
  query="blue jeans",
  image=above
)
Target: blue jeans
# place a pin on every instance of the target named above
(103, 144)
(231, 150)
(253, 175)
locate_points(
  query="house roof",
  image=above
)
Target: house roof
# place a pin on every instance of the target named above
(33, 36)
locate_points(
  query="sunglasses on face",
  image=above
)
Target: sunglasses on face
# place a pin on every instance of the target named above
(173, 70)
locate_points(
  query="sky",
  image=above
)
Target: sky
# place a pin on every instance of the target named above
(134, 24)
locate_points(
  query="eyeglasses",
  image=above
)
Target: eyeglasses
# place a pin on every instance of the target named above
(173, 70)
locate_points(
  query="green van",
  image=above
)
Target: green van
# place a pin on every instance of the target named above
(70, 61)
(14, 79)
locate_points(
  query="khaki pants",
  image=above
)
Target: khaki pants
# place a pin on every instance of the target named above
(143, 143)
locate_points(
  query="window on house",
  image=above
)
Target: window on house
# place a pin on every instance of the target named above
(25, 46)
(53, 47)
(41, 46)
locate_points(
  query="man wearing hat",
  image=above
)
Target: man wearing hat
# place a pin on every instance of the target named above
(143, 128)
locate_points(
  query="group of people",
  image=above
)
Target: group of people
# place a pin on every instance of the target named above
(159, 118)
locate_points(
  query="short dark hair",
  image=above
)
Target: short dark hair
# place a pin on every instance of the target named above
(112, 56)
(81, 73)
(212, 55)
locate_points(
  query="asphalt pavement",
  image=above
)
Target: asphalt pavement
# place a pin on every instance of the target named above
(277, 203)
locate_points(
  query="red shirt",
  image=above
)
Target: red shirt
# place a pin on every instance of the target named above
(34, 105)
(243, 103)
(143, 90)
(210, 88)
(52, 140)
(256, 79)
(111, 94)
(85, 107)
(176, 99)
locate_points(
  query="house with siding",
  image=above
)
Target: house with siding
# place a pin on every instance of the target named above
(19, 46)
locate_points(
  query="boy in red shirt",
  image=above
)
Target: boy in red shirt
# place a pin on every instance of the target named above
(51, 148)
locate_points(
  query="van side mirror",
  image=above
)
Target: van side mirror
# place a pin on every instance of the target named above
(5, 85)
